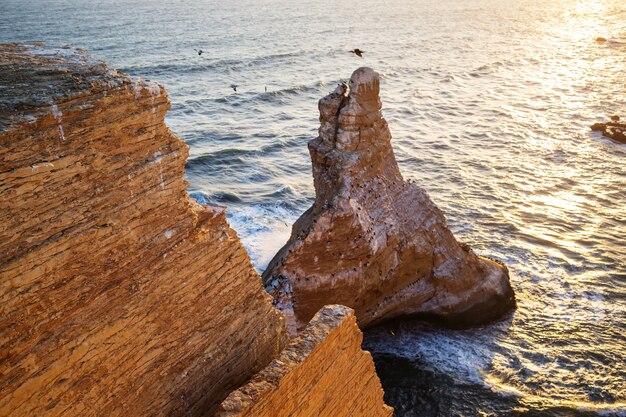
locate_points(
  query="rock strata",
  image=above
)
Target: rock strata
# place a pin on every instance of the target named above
(373, 241)
(323, 372)
(118, 294)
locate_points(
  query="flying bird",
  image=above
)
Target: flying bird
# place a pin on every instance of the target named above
(234, 87)
(199, 51)
(357, 52)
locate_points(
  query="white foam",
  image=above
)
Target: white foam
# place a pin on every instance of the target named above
(460, 355)
(263, 230)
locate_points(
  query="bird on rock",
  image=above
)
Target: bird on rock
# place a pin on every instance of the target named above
(357, 52)
(341, 89)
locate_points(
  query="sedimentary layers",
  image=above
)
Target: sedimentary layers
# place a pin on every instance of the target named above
(118, 295)
(323, 372)
(373, 241)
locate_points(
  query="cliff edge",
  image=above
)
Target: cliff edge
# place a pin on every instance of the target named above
(371, 240)
(118, 294)
(323, 372)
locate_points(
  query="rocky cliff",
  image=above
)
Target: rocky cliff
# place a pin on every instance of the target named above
(371, 240)
(323, 372)
(118, 295)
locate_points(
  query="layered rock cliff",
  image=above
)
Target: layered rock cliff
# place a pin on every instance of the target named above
(323, 372)
(118, 294)
(371, 240)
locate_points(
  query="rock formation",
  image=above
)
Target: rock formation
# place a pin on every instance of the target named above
(615, 129)
(371, 240)
(119, 295)
(323, 372)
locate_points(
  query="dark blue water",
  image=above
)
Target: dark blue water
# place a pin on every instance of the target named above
(489, 104)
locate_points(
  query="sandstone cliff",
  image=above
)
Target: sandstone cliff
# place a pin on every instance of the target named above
(118, 295)
(323, 372)
(371, 240)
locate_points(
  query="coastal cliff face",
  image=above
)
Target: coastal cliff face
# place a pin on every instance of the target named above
(373, 241)
(119, 295)
(323, 372)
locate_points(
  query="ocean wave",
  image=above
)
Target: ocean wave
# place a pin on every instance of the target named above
(263, 229)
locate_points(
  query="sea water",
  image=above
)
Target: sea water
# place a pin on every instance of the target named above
(489, 104)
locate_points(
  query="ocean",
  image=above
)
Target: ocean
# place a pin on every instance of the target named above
(489, 104)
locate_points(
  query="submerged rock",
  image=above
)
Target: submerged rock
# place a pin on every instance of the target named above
(372, 240)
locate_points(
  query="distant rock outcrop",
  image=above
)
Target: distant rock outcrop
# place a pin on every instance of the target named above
(373, 241)
(323, 372)
(615, 129)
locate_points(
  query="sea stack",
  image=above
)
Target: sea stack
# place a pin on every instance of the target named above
(373, 241)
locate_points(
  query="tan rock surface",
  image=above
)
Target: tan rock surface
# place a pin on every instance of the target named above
(118, 295)
(373, 241)
(323, 372)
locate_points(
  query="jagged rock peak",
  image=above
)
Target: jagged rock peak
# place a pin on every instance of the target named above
(371, 240)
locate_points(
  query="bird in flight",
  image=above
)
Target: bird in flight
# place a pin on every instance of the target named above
(234, 87)
(357, 52)
(199, 51)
